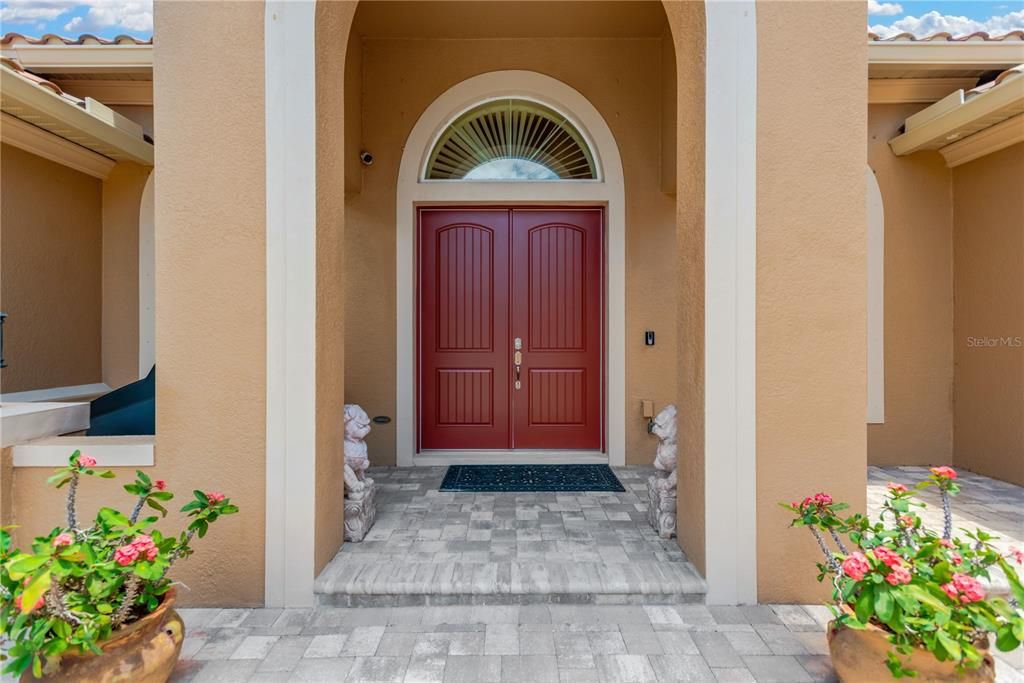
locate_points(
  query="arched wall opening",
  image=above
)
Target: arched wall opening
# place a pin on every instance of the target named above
(330, 316)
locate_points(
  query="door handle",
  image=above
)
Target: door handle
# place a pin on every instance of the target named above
(517, 361)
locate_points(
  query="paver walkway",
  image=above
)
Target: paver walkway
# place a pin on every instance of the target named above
(538, 643)
(516, 643)
(432, 547)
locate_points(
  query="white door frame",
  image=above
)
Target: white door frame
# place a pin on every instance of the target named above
(730, 303)
(607, 191)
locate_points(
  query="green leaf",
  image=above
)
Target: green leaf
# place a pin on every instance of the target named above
(157, 506)
(228, 509)
(27, 564)
(37, 667)
(864, 605)
(1006, 640)
(143, 477)
(162, 495)
(950, 645)
(884, 604)
(201, 497)
(34, 591)
(106, 475)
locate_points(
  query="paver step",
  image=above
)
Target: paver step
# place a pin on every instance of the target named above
(349, 583)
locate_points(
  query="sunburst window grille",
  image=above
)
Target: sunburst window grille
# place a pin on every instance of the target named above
(511, 140)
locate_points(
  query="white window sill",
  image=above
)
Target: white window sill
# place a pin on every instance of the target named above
(109, 451)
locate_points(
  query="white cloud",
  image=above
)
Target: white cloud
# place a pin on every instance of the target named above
(29, 11)
(102, 15)
(933, 22)
(884, 8)
(131, 15)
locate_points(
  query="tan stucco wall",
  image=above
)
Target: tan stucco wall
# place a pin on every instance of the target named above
(50, 273)
(811, 285)
(687, 23)
(400, 78)
(122, 195)
(333, 20)
(917, 196)
(989, 274)
(211, 281)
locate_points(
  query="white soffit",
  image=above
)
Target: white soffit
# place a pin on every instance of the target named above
(960, 115)
(67, 59)
(944, 56)
(96, 129)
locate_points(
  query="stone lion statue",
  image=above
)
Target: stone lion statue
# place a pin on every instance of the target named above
(665, 457)
(357, 426)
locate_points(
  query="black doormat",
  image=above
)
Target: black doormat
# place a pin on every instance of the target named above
(525, 478)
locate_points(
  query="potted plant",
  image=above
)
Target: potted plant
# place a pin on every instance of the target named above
(909, 601)
(94, 603)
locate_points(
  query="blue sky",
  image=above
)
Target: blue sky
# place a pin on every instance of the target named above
(108, 18)
(923, 17)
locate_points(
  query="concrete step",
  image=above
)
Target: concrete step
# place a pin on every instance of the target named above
(349, 582)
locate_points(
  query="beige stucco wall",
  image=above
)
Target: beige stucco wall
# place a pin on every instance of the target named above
(988, 250)
(122, 195)
(811, 285)
(687, 23)
(50, 283)
(917, 197)
(333, 20)
(400, 78)
(211, 281)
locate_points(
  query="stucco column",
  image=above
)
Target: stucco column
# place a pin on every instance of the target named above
(211, 317)
(811, 277)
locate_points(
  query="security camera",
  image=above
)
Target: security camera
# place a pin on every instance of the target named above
(366, 158)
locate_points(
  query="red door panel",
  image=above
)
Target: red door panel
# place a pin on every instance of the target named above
(464, 329)
(557, 304)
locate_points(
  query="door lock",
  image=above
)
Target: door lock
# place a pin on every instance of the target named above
(517, 361)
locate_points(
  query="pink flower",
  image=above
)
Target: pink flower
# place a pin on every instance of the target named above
(898, 576)
(86, 461)
(907, 520)
(956, 558)
(970, 588)
(856, 566)
(159, 484)
(214, 496)
(1017, 554)
(944, 472)
(822, 499)
(63, 539)
(144, 546)
(126, 554)
(946, 543)
(887, 557)
(950, 591)
(897, 488)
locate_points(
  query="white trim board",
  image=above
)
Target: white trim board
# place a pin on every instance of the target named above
(608, 192)
(290, 69)
(57, 394)
(147, 278)
(109, 451)
(23, 422)
(730, 265)
(876, 300)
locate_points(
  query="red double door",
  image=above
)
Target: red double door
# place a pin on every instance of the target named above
(510, 329)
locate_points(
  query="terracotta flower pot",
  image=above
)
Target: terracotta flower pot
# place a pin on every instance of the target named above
(859, 656)
(145, 651)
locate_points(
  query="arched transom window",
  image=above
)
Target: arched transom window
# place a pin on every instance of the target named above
(511, 139)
